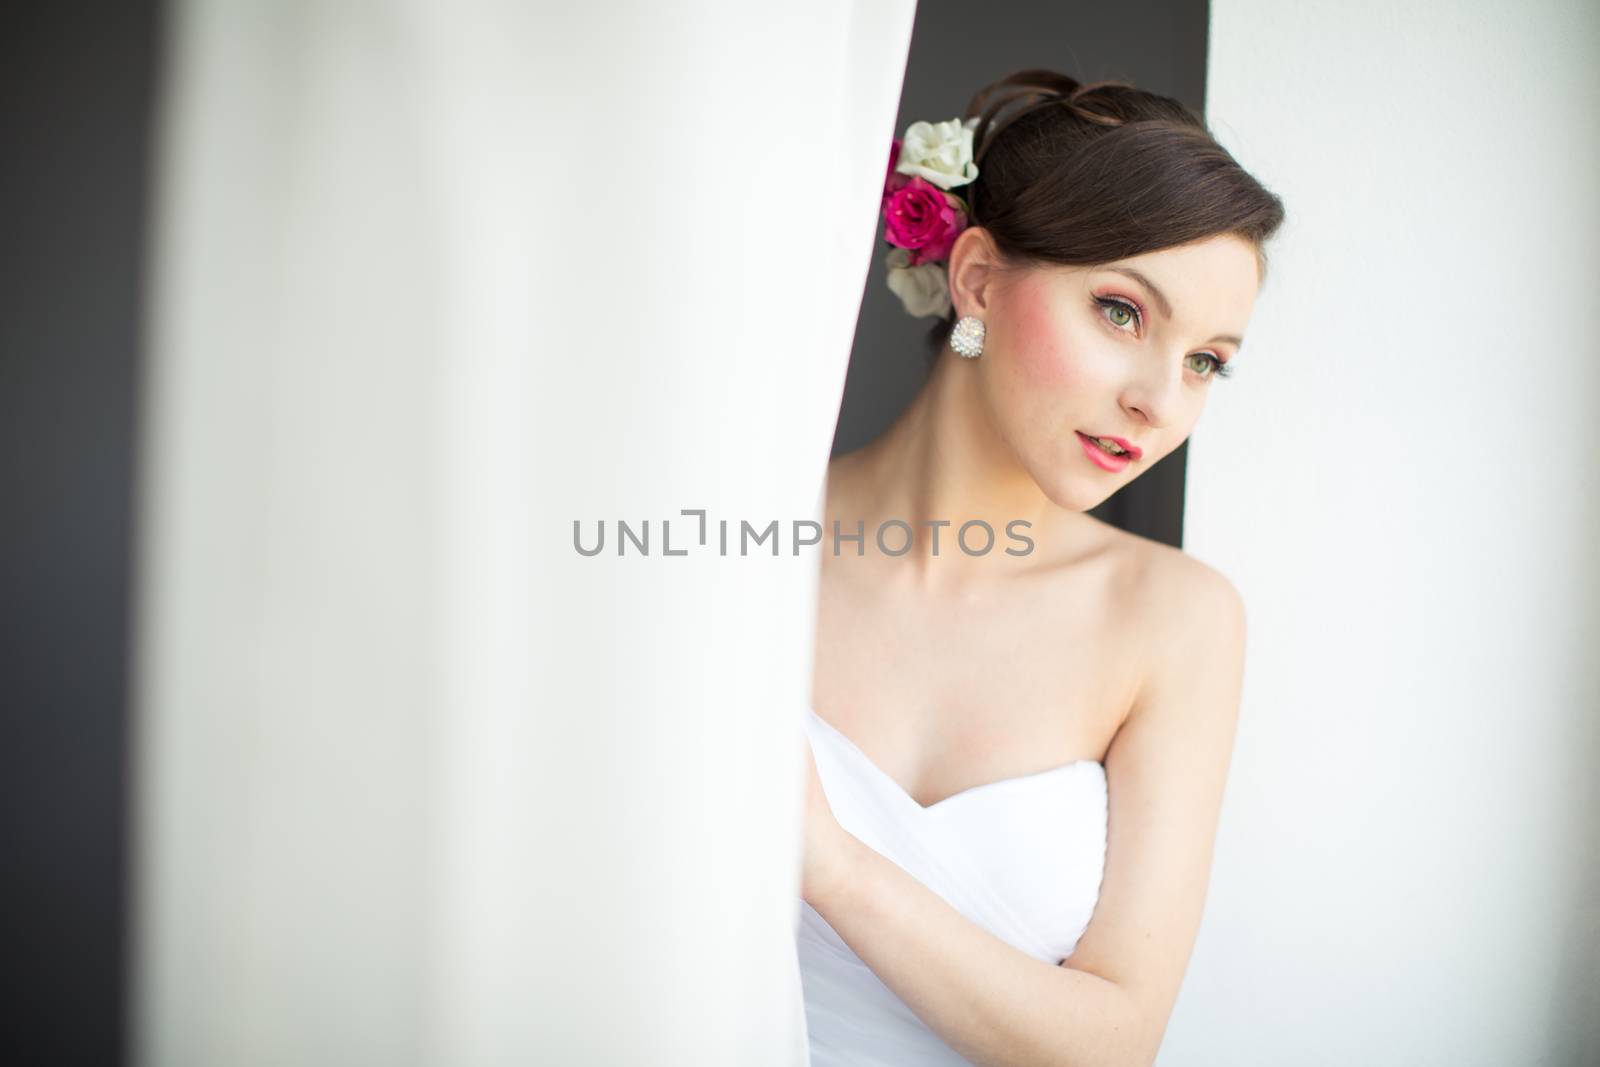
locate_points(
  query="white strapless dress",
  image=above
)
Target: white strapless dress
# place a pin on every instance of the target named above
(1023, 858)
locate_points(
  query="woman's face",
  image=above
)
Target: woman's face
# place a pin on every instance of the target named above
(1127, 351)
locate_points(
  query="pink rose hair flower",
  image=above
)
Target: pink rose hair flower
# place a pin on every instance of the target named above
(923, 219)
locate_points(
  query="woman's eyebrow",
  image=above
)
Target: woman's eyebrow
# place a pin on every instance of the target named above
(1166, 306)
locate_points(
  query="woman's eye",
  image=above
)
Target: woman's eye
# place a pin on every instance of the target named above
(1204, 364)
(1118, 312)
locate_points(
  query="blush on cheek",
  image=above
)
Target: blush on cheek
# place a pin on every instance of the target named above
(1040, 342)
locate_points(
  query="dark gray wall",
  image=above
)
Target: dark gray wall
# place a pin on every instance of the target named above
(956, 48)
(76, 86)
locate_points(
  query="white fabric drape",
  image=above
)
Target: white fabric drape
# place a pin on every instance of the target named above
(418, 782)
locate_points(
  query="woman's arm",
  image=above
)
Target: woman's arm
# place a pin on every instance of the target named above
(989, 1001)
(1108, 1005)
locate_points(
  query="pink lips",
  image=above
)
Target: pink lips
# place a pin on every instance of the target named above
(1134, 451)
(1105, 460)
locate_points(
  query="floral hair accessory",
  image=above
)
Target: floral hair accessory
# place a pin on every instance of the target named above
(922, 218)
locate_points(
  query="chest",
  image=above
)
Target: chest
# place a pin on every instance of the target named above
(945, 694)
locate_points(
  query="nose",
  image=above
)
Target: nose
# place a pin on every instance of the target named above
(1151, 396)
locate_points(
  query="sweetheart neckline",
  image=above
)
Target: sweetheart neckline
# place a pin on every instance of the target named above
(942, 801)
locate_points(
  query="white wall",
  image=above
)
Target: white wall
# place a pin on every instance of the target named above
(1402, 481)
(417, 783)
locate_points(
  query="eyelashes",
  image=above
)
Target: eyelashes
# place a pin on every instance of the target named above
(1117, 303)
(1110, 306)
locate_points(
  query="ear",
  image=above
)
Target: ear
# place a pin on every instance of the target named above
(974, 268)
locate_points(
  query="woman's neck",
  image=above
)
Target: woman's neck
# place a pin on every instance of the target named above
(942, 460)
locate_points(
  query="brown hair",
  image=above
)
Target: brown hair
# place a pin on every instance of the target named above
(1081, 175)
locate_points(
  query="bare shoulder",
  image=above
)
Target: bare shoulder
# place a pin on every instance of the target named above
(1173, 598)
(1192, 617)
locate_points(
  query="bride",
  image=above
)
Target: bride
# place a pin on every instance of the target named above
(1017, 756)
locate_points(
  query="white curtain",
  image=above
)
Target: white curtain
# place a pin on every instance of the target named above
(417, 781)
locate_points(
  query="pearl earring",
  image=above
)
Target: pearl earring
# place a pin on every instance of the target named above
(967, 337)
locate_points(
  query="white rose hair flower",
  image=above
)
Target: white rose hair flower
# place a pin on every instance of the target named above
(923, 289)
(939, 152)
